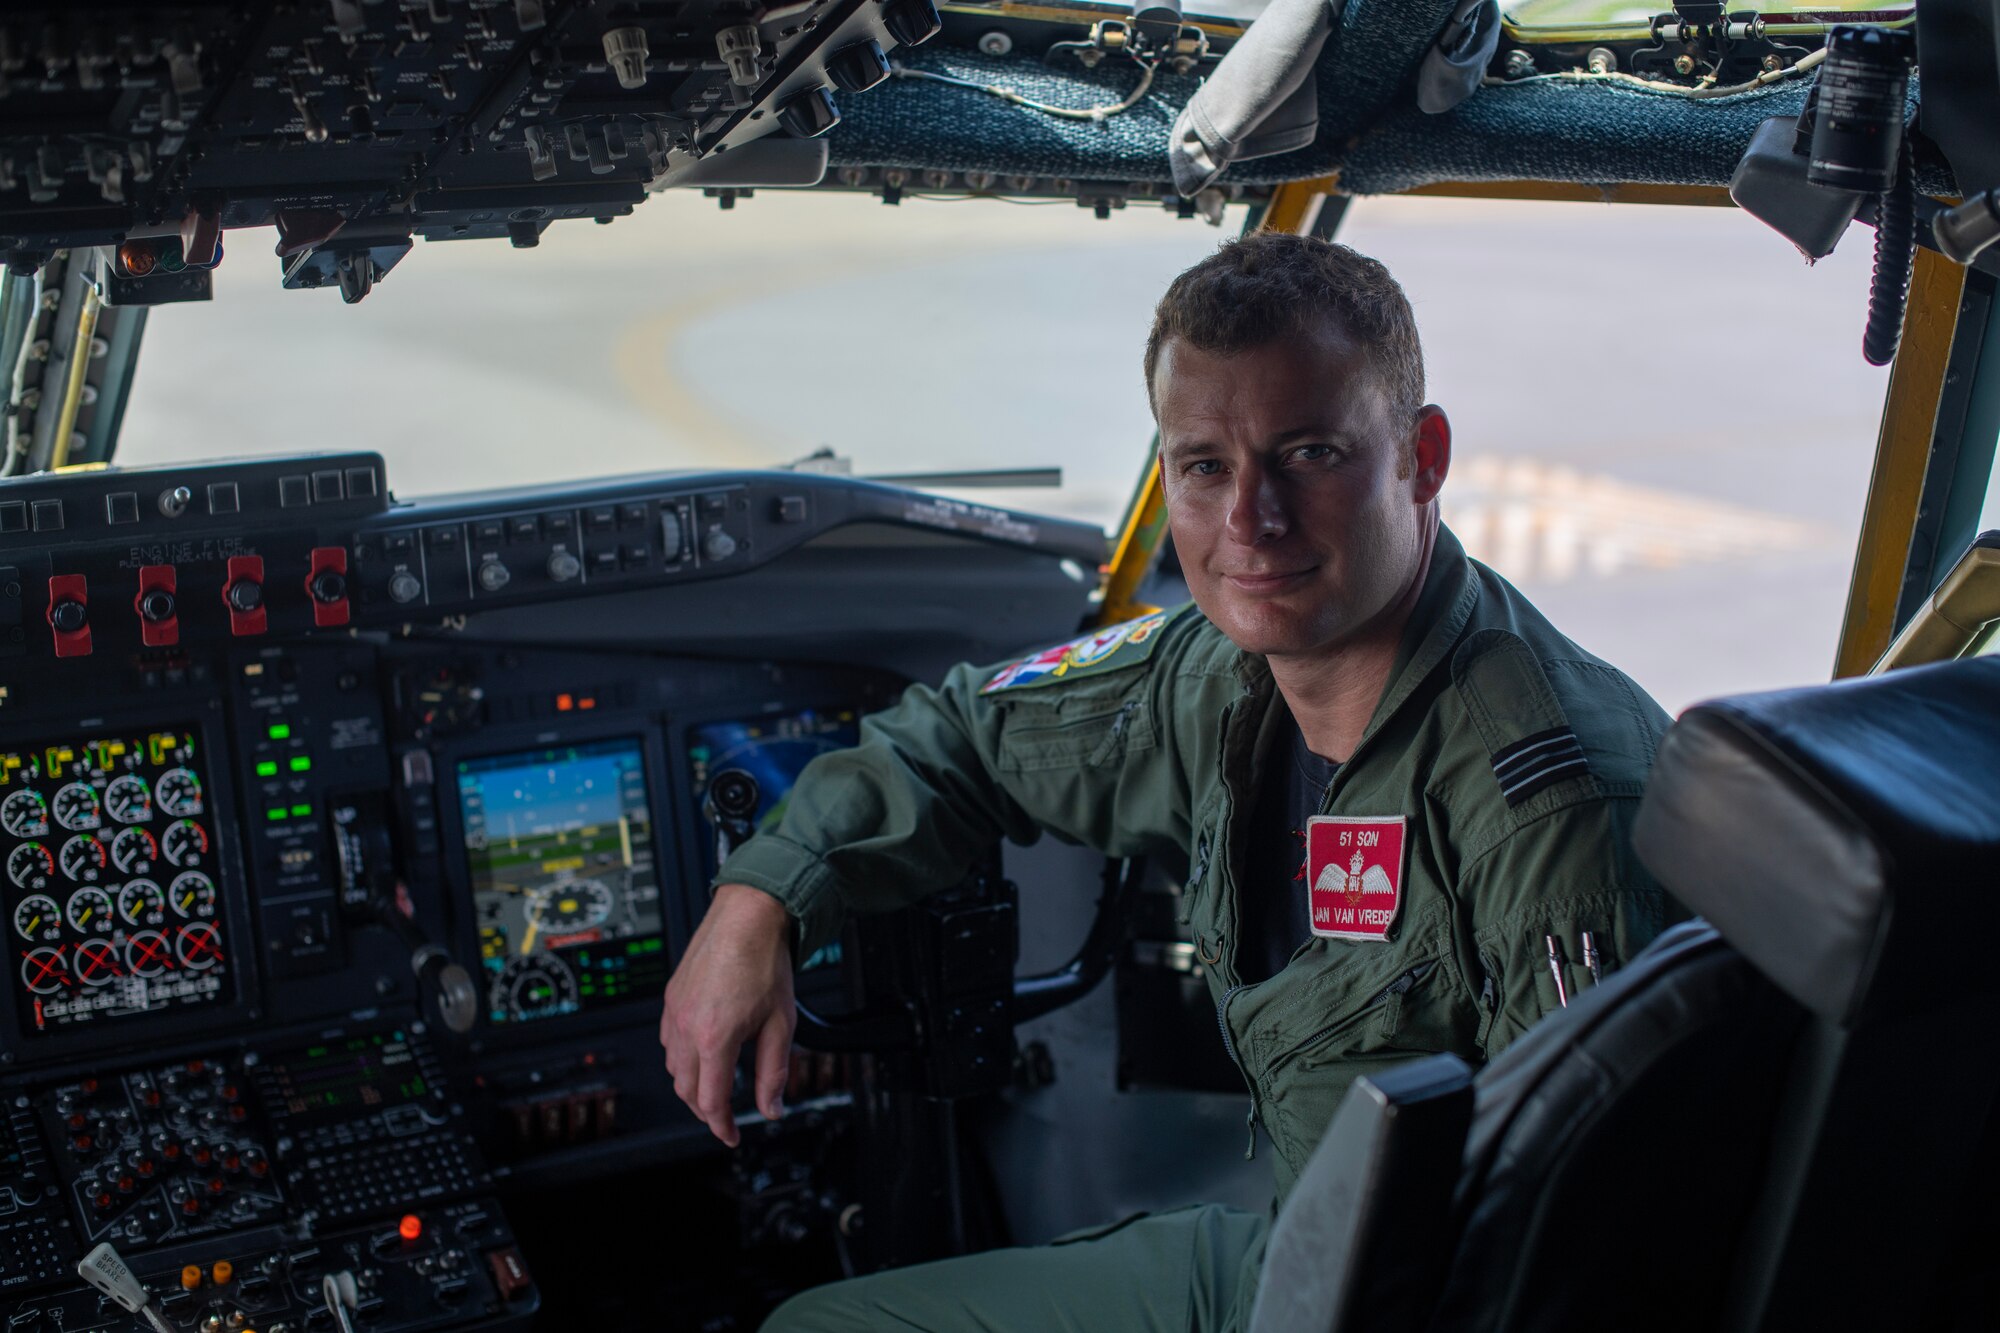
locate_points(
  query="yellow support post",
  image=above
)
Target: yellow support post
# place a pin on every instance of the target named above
(1293, 208)
(1902, 450)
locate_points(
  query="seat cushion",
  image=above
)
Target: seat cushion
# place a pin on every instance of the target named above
(1845, 837)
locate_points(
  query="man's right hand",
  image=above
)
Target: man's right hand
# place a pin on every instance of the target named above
(733, 983)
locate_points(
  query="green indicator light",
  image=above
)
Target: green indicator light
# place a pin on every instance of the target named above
(300, 763)
(275, 813)
(301, 811)
(267, 768)
(281, 731)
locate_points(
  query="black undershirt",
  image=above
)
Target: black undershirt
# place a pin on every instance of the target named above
(1273, 910)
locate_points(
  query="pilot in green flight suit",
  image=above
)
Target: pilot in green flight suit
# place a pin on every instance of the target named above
(1398, 790)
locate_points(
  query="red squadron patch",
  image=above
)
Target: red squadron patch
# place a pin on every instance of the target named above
(1354, 874)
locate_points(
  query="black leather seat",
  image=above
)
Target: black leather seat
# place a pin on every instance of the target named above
(1782, 1117)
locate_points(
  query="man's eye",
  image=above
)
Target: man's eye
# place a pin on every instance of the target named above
(1203, 467)
(1312, 453)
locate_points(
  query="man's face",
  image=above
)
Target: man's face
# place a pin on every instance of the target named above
(1281, 467)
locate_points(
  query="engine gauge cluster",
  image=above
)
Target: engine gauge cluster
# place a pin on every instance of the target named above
(110, 900)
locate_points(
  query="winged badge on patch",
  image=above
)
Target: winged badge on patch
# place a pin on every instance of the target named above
(1090, 650)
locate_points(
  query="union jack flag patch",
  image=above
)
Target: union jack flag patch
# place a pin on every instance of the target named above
(1080, 655)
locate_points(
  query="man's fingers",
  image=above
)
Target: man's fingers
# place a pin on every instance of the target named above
(718, 1069)
(686, 1069)
(774, 1058)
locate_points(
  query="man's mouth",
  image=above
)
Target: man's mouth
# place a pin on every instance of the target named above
(1262, 581)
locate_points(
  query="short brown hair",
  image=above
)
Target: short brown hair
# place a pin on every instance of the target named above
(1272, 285)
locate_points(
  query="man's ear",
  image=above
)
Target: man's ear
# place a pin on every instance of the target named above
(1430, 443)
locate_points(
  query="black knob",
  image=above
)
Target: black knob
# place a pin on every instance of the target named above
(912, 22)
(735, 793)
(810, 114)
(68, 616)
(329, 585)
(858, 68)
(157, 604)
(245, 595)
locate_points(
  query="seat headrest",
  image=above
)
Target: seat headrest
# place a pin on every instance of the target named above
(1845, 837)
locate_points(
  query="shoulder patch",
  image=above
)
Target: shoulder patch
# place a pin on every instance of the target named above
(1112, 648)
(1527, 734)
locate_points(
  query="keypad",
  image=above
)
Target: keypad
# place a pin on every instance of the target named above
(365, 1172)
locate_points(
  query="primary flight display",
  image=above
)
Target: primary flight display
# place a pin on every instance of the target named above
(565, 883)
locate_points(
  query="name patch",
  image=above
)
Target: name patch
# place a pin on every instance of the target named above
(1354, 870)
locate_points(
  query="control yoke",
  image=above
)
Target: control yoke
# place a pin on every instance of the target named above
(731, 803)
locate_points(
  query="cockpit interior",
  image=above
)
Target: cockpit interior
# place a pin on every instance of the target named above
(350, 835)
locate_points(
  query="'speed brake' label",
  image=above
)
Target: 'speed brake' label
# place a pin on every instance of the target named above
(1354, 865)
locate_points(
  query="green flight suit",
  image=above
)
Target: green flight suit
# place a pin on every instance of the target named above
(1515, 758)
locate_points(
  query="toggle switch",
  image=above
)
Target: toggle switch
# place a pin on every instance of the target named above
(158, 608)
(326, 585)
(69, 614)
(243, 594)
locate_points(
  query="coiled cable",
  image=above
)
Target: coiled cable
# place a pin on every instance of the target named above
(1895, 253)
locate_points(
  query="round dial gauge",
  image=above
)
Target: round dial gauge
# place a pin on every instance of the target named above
(89, 911)
(147, 953)
(185, 843)
(83, 858)
(577, 905)
(25, 814)
(30, 865)
(76, 807)
(199, 947)
(96, 962)
(128, 799)
(179, 792)
(134, 850)
(534, 986)
(43, 971)
(192, 894)
(141, 903)
(38, 918)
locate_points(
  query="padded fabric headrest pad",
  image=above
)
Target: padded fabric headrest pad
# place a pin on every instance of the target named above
(1845, 838)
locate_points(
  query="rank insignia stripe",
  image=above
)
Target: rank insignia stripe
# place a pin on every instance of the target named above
(1111, 648)
(1535, 763)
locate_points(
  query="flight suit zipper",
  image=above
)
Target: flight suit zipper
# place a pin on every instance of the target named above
(1116, 734)
(1229, 1048)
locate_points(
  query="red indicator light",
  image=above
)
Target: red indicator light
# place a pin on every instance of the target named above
(410, 1227)
(564, 703)
(137, 258)
(586, 703)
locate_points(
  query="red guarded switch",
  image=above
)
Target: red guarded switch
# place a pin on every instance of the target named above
(159, 615)
(326, 585)
(243, 594)
(69, 614)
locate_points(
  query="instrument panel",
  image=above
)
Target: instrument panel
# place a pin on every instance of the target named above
(277, 765)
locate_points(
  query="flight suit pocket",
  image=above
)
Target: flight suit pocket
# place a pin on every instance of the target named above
(1414, 1012)
(1075, 731)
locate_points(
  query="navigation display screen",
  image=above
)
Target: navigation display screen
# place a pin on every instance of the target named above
(334, 1080)
(111, 902)
(564, 880)
(773, 750)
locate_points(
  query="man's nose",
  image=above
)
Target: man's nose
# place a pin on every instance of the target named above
(1256, 508)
